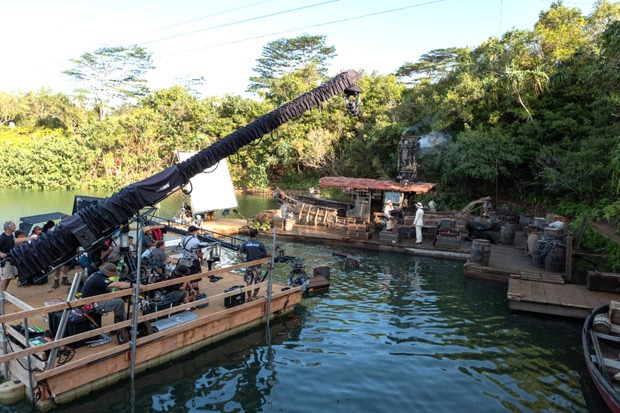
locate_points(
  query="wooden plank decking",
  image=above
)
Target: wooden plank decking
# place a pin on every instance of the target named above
(567, 300)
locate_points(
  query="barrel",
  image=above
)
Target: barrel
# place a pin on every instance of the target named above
(540, 222)
(507, 234)
(538, 255)
(289, 224)
(481, 251)
(601, 324)
(556, 258)
(277, 223)
(524, 221)
(553, 233)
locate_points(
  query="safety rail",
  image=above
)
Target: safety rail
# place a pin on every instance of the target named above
(118, 294)
(229, 242)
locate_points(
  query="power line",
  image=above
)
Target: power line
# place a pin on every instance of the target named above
(302, 28)
(240, 21)
(197, 19)
(107, 13)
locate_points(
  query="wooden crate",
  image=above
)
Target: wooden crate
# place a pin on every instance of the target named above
(389, 237)
(317, 283)
(278, 223)
(406, 232)
(603, 281)
(358, 232)
(448, 241)
(614, 312)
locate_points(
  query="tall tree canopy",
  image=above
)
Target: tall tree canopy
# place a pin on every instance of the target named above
(284, 56)
(111, 75)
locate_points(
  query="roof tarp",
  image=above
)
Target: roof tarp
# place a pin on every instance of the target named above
(376, 184)
(212, 189)
(26, 223)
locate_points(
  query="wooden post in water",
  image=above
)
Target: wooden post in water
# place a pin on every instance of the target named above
(569, 258)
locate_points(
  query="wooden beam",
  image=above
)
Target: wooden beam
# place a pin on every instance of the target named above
(127, 323)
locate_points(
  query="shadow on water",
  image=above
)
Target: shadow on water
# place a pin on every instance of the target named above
(237, 374)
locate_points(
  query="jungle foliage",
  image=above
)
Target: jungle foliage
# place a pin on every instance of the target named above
(534, 116)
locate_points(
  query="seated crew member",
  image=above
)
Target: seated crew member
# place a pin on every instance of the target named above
(102, 282)
(388, 212)
(183, 291)
(159, 255)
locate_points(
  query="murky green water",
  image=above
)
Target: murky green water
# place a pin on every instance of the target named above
(399, 334)
(16, 203)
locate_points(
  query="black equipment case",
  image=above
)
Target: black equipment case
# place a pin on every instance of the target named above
(161, 304)
(77, 323)
(236, 299)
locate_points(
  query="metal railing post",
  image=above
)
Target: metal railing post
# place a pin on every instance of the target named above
(270, 283)
(5, 366)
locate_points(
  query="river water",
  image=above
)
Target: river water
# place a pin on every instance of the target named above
(399, 334)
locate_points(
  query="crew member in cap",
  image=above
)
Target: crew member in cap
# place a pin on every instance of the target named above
(102, 282)
(36, 232)
(192, 251)
(418, 222)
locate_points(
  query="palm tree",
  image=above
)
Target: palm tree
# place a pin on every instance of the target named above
(520, 80)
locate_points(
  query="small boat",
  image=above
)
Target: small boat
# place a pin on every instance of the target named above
(601, 347)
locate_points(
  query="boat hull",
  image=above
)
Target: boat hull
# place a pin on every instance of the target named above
(595, 364)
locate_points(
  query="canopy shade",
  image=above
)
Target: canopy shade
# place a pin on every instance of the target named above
(376, 184)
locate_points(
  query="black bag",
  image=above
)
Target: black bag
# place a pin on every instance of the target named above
(234, 300)
(76, 324)
(161, 304)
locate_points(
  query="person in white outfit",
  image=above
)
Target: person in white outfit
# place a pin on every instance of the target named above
(418, 222)
(387, 212)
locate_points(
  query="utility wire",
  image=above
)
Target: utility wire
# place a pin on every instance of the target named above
(239, 21)
(301, 28)
(197, 19)
(107, 13)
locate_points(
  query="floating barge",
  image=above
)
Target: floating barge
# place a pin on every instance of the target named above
(83, 369)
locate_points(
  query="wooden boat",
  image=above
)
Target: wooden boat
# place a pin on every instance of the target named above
(601, 347)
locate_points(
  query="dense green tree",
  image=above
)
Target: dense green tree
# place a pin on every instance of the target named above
(112, 75)
(51, 110)
(434, 65)
(11, 106)
(284, 56)
(560, 32)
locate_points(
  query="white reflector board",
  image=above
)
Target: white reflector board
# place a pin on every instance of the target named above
(212, 189)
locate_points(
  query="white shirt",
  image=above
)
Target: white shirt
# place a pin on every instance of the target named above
(419, 218)
(387, 210)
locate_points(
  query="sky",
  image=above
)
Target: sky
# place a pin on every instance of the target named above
(221, 40)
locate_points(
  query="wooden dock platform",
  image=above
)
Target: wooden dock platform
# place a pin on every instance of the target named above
(566, 300)
(530, 288)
